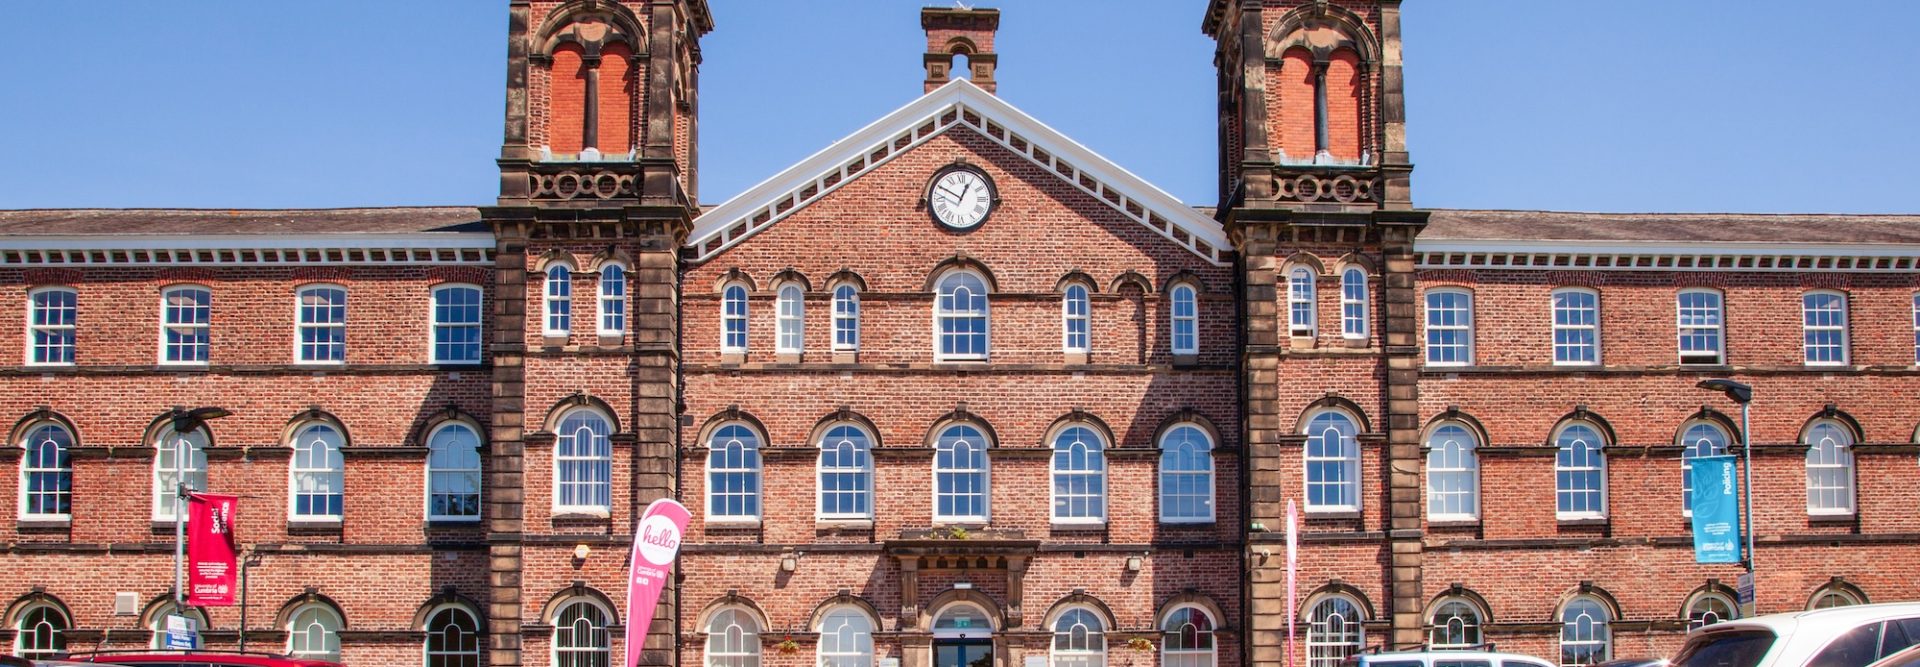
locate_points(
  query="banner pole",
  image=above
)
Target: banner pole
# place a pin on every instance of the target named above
(179, 521)
(1746, 450)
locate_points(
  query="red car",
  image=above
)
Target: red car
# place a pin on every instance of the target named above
(200, 659)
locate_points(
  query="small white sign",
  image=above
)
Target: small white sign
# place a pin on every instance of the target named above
(1036, 661)
(889, 662)
(183, 633)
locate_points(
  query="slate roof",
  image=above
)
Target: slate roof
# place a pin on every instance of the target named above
(1459, 224)
(178, 221)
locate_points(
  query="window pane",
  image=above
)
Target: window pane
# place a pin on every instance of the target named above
(1333, 632)
(613, 299)
(1584, 635)
(1079, 475)
(1580, 472)
(47, 472)
(453, 465)
(846, 473)
(1453, 473)
(733, 472)
(1576, 327)
(1186, 475)
(1824, 317)
(1332, 462)
(583, 460)
(846, 318)
(185, 316)
(1449, 328)
(960, 474)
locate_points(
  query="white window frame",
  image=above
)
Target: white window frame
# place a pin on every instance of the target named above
(832, 649)
(1598, 630)
(1846, 597)
(734, 294)
(1185, 295)
(556, 301)
(600, 641)
(1349, 465)
(1465, 326)
(1440, 624)
(1808, 330)
(1189, 657)
(846, 318)
(56, 636)
(1331, 651)
(199, 333)
(194, 470)
(30, 466)
(439, 324)
(790, 319)
(1303, 316)
(1916, 329)
(1091, 468)
(1353, 303)
(66, 335)
(986, 626)
(329, 635)
(1088, 629)
(862, 451)
(1574, 328)
(1697, 617)
(742, 648)
(158, 624)
(436, 472)
(1076, 312)
(332, 468)
(1690, 446)
(301, 325)
(985, 471)
(1560, 466)
(1443, 462)
(941, 314)
(752, 464)
(1840, 459)
(454, 655)
(1172, 450)
(1687, 322)
(612, 300)
(559, 461)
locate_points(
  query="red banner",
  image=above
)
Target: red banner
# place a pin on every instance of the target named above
(656, 542)
(212, 556)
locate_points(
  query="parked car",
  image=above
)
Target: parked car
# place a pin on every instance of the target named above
(198, 659)
(1853, 636)
(1635, 662)
(1444, 659)
(1907, 658)
(11, 661)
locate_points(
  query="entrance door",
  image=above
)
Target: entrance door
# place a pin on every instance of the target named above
(963, 653)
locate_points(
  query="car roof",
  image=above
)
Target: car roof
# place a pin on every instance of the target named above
(253, 659)
(1448, 655)
(1782, 624)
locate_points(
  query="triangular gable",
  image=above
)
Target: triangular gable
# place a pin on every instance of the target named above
(957, 103)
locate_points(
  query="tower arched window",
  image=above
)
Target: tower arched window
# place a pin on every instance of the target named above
(453, 473)
(581, 634)
(583, 463)
(733, 318)
(1188, 641)
(1074, 319)
(1353, 303)
(1580, 472)
(1453, 473)
(790, 319)
(559, 301)
(846, 638)
(733, 474)
(1829, 468)
(846, 318)
(453, 638)
(960, 475)
(316, 487)
(846, 473)
(1585, 637)
(1079, 639)
(1334, 630)
(1186, 475)
(1185, 319)
(313, 632)
(1456, 625)
(733, 639)
(46, 473)
(177, 457)
(960, 318)
(1700, 438)
(1301, 304)
(1332, 462)
(613, 299)
(41, 631)
(1079, 476)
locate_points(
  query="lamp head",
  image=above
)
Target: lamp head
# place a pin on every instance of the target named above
(1740, 393)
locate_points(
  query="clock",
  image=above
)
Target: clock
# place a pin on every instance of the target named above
(961, 197)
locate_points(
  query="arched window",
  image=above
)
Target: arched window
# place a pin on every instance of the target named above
(1699, 324)
(170, 467)
(1456, 625)
(1334, 631)
(790, 317)
(733, 639)
(456, 324)
(1580, 473)
(1584, 636)
(613, 299)
(1701, 438)
(580, 635)
(559, 308)
(961, 619)
(960, 318)
(1186, 475)
(1449, 327)
(322, 328)
(1300, 302)
(1353, 303)
(1576, 326)
(583, 463)
(453, 638)
(46, 473)
(158, 622)
(1188, 641)
(1824, 323)
(733, 473)
(1829, 468)
(1333, 462)
(453, 473)
(1074, 319)
(846, 638)
(1079, 639)
(41, 631)
(960, 475)
(1834, 596)
(1186, 320)
(1453, 473)
(318, 475)
(1710, 607)
(185, 316)
(846, 473)
(1079, 476)
(313, 632)
(846, 318)
(733, 318)
(52, 317)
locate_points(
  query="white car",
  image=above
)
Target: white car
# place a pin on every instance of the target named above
(1444, 659)
(1838, 637)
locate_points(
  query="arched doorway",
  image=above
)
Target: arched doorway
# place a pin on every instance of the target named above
(962, 636)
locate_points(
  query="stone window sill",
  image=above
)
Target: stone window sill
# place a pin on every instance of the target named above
(1079, 526)
(1312, 515)
(28, 525)
(733, 523)
(313, 527)
(1831, 518)
(1453, 523)
(1582, 522)
(581, 513)
(843, 524)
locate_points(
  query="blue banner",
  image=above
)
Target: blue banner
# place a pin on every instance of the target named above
(1716, 510)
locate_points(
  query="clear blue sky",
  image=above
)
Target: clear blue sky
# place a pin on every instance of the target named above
(1624, 105)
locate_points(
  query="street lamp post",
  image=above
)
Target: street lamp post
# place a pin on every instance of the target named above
(184, 422)
(1742, 394)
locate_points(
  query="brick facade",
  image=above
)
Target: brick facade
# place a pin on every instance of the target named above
(1301, 386)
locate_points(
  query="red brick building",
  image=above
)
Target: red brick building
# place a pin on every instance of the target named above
(953, 390)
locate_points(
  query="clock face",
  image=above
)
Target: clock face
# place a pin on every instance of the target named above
(961, 198)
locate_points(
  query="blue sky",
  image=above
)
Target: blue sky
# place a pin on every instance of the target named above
(1625, 105)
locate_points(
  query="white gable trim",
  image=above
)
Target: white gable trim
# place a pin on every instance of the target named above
(1717, 256)
(958, 102)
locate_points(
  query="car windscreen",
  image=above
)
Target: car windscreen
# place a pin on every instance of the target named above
(1736, 648)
